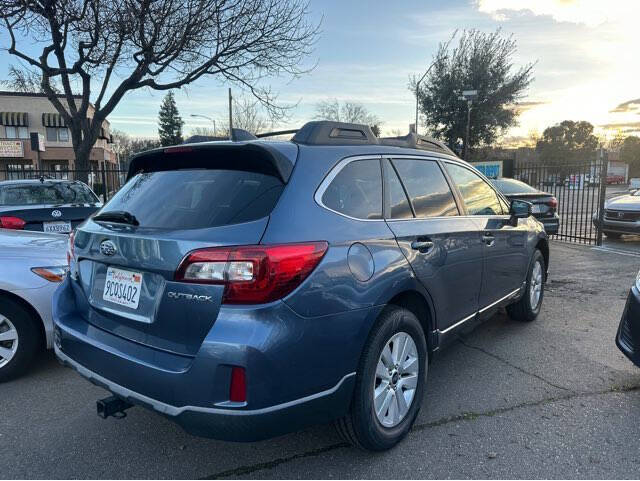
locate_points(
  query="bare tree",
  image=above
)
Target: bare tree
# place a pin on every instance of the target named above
(351, 112)
(102, 49)
(25, 80)
(126, 146)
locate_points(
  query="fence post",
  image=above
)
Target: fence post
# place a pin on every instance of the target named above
(104, 185)
(602, 194)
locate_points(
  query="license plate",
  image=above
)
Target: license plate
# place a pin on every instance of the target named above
(57, 227)
(122, 287)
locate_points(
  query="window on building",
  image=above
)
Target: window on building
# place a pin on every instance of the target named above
(63, 134)
(52, 134)
(13, 132)
(57, 134)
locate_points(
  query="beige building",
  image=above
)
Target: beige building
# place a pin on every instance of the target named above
(24, 113)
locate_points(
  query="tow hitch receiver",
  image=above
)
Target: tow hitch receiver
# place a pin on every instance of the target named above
(112, 406)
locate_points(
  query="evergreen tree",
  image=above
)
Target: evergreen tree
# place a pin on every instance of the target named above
(170, 122)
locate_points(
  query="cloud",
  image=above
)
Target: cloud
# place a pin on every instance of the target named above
(628, 106)
(525, 106)
(588, 12)
(624, 126)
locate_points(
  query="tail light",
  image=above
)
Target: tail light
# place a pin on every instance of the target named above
(553, 203)
(252, 274)
(9, 222)
(71, 253)
(52, 274)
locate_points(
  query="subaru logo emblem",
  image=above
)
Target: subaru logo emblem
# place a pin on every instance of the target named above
(56, 213)
(107, 248)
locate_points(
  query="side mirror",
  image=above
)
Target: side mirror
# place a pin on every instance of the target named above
(520, 209)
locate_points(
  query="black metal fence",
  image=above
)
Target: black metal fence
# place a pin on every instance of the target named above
(579, 187)
(104, 181)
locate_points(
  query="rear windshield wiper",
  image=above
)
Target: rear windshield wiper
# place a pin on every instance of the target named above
(118, 216)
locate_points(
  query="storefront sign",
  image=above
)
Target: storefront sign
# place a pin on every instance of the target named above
(491, 169)
(11, 148)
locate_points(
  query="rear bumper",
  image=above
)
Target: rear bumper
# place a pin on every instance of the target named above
(300, 371)
(551, 224)
(235, 425)
(628, 335)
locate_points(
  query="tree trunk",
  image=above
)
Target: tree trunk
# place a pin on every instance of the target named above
(82, 165)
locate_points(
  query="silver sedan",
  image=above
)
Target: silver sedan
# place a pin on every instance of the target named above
(32, 265)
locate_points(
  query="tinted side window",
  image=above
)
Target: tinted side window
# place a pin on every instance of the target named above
(357, 190)
(425, 183)
(478, 195)
(399, 207)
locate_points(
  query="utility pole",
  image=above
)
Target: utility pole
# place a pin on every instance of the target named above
(469, 96)
(230, 115)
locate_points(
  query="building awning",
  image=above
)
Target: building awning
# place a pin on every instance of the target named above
(53, 120)
(15, 119)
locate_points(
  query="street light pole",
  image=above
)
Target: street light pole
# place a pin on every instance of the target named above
(212, 120)
(418, 91)
(469, 96)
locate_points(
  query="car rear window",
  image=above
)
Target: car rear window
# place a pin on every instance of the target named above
(513, 187)
(197, 198)
(47, 193)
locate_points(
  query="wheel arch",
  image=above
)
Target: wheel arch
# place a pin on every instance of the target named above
(31, 310)
(420, 305)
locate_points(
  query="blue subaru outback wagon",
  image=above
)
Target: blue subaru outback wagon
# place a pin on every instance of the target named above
(250, 288)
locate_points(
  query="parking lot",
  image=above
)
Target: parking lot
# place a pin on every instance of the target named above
(554, 398)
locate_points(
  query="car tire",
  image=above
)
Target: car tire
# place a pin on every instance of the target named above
(612, 235)
(527, 308)
(21, 339)
(377, 430)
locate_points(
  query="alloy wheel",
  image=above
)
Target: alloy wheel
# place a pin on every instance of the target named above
(8, 341)
(396, 379)
(535, 286)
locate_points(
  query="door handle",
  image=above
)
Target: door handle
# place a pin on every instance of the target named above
(422, 246)
(488, 238)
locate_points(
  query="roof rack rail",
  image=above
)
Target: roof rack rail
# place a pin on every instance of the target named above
(277, 132)
(325, 132)
(414, 141)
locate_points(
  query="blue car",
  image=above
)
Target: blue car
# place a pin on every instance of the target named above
(246, 289)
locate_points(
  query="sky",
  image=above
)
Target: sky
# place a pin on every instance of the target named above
(586, 54)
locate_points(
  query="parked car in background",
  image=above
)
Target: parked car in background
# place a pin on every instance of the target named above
(45, 205)
(278, 284)
(32, 266)
(621, 215)
(544, 207)
(628, 335)
(634, 183)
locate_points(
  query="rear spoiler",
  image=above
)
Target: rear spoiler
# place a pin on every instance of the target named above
(253, 156)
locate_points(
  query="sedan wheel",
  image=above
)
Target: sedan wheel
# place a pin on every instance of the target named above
(8, 341)
(20, 338)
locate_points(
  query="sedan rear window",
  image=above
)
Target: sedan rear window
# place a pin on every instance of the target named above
(196, 198)
(511, 186)
(47, 193)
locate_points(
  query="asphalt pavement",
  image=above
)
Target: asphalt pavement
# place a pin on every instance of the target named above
(549, 399)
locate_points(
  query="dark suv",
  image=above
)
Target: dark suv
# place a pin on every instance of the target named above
(247, 289)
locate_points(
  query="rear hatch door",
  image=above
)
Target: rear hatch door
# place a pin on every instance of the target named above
(126, 272)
